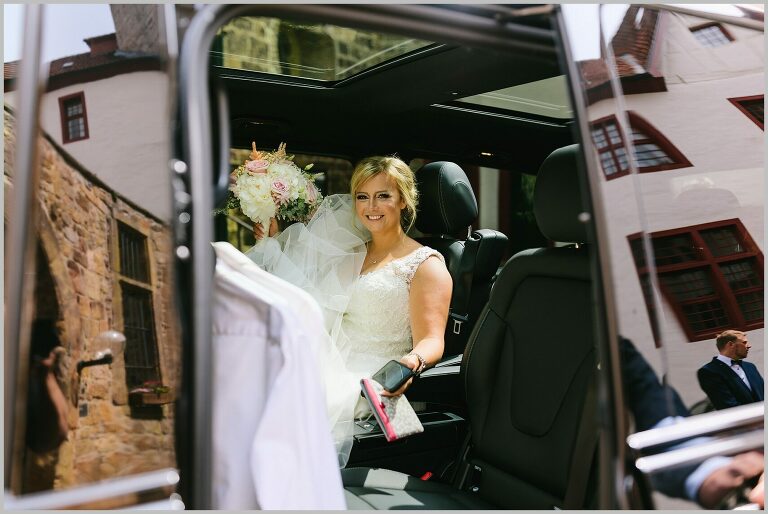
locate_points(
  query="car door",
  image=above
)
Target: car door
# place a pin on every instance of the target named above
(672, 123)
(93, 357)
(203, 150)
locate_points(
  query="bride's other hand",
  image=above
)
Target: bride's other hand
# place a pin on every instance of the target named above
(258, 229)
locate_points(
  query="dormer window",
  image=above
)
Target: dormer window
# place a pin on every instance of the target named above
(74, 121)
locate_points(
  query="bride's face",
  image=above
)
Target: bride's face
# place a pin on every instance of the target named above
(378, 204)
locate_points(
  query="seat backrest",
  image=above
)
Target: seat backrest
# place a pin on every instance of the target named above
(447, 208)
(530, 359)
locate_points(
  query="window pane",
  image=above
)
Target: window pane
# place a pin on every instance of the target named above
(751, 305)
(723, 241)
(674, 249)
(688, 284)
(649, 154)
(598, 137)
(74, 107)
(309, 50)
(76, 129)
(755, 108)
(133, 254)
(741, 274)
(140, 347)
(613, 133)
(711, 36)
(609, 167)
(706, 316)
(621, 154)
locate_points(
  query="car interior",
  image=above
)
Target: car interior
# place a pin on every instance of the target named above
(516, 119)
(445, 108)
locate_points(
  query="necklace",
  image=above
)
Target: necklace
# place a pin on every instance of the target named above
(376, 261)
(373, 261)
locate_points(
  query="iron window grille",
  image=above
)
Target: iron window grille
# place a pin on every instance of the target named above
(141, 352)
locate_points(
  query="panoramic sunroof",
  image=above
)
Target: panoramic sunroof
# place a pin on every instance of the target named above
(312, 51)
(548, 97)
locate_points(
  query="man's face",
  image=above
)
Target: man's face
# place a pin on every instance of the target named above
(740, 347)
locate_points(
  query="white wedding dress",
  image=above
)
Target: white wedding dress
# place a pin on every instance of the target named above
(367, 317)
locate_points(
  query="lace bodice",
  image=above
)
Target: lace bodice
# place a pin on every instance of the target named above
(377, 323)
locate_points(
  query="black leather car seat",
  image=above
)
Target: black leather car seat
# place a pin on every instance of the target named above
(528, 373)
(447, 208)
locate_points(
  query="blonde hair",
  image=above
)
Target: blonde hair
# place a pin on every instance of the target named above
(400, 173)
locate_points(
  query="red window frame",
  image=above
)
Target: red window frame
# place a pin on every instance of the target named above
(704, 259)
(614, 150)
(652, 135)
(65, 136)
(724, 31)
(739, 103)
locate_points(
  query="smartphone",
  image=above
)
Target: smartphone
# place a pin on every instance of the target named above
(393, 375)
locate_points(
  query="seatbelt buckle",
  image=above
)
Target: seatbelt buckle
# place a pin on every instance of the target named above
(473, 480)
(458, 320)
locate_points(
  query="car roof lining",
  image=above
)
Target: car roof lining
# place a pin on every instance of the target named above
(405, 117)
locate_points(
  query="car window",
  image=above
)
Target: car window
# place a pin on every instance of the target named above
(504, 202)
(104, 366)
(675, 122)
(305, 50)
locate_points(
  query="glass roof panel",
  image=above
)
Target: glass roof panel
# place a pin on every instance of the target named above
(548, 97)
(313, 51)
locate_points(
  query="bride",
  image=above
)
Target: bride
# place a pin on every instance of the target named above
(384, 295)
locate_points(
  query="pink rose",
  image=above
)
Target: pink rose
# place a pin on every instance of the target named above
(280, 192)
(257, 166)
(311, 192)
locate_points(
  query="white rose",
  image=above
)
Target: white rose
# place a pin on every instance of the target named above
(254, 193)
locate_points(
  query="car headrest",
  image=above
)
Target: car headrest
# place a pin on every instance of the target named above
(447, 203)
(557, 199)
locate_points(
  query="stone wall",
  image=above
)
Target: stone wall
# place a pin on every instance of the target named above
(77, 231)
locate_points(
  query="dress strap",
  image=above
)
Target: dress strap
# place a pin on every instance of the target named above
(407, 267)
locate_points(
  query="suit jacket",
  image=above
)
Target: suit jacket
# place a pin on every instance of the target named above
(646, 397)
(724, 387)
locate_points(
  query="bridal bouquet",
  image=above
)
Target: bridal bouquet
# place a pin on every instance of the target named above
(271, 185)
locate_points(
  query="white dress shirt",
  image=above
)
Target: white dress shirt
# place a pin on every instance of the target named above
(272, 440)
(736, 368)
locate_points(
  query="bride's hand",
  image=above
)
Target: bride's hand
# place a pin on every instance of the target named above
(413, 363)
(258, 229)
(400, 391)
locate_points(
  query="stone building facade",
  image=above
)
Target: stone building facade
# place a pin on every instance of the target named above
(80, 287)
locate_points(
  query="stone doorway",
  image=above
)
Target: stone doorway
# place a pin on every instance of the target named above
(46, 413)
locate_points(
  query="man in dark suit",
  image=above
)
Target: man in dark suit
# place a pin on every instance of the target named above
(727, 379)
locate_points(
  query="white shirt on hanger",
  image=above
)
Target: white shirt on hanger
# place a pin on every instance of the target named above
(272, 440)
